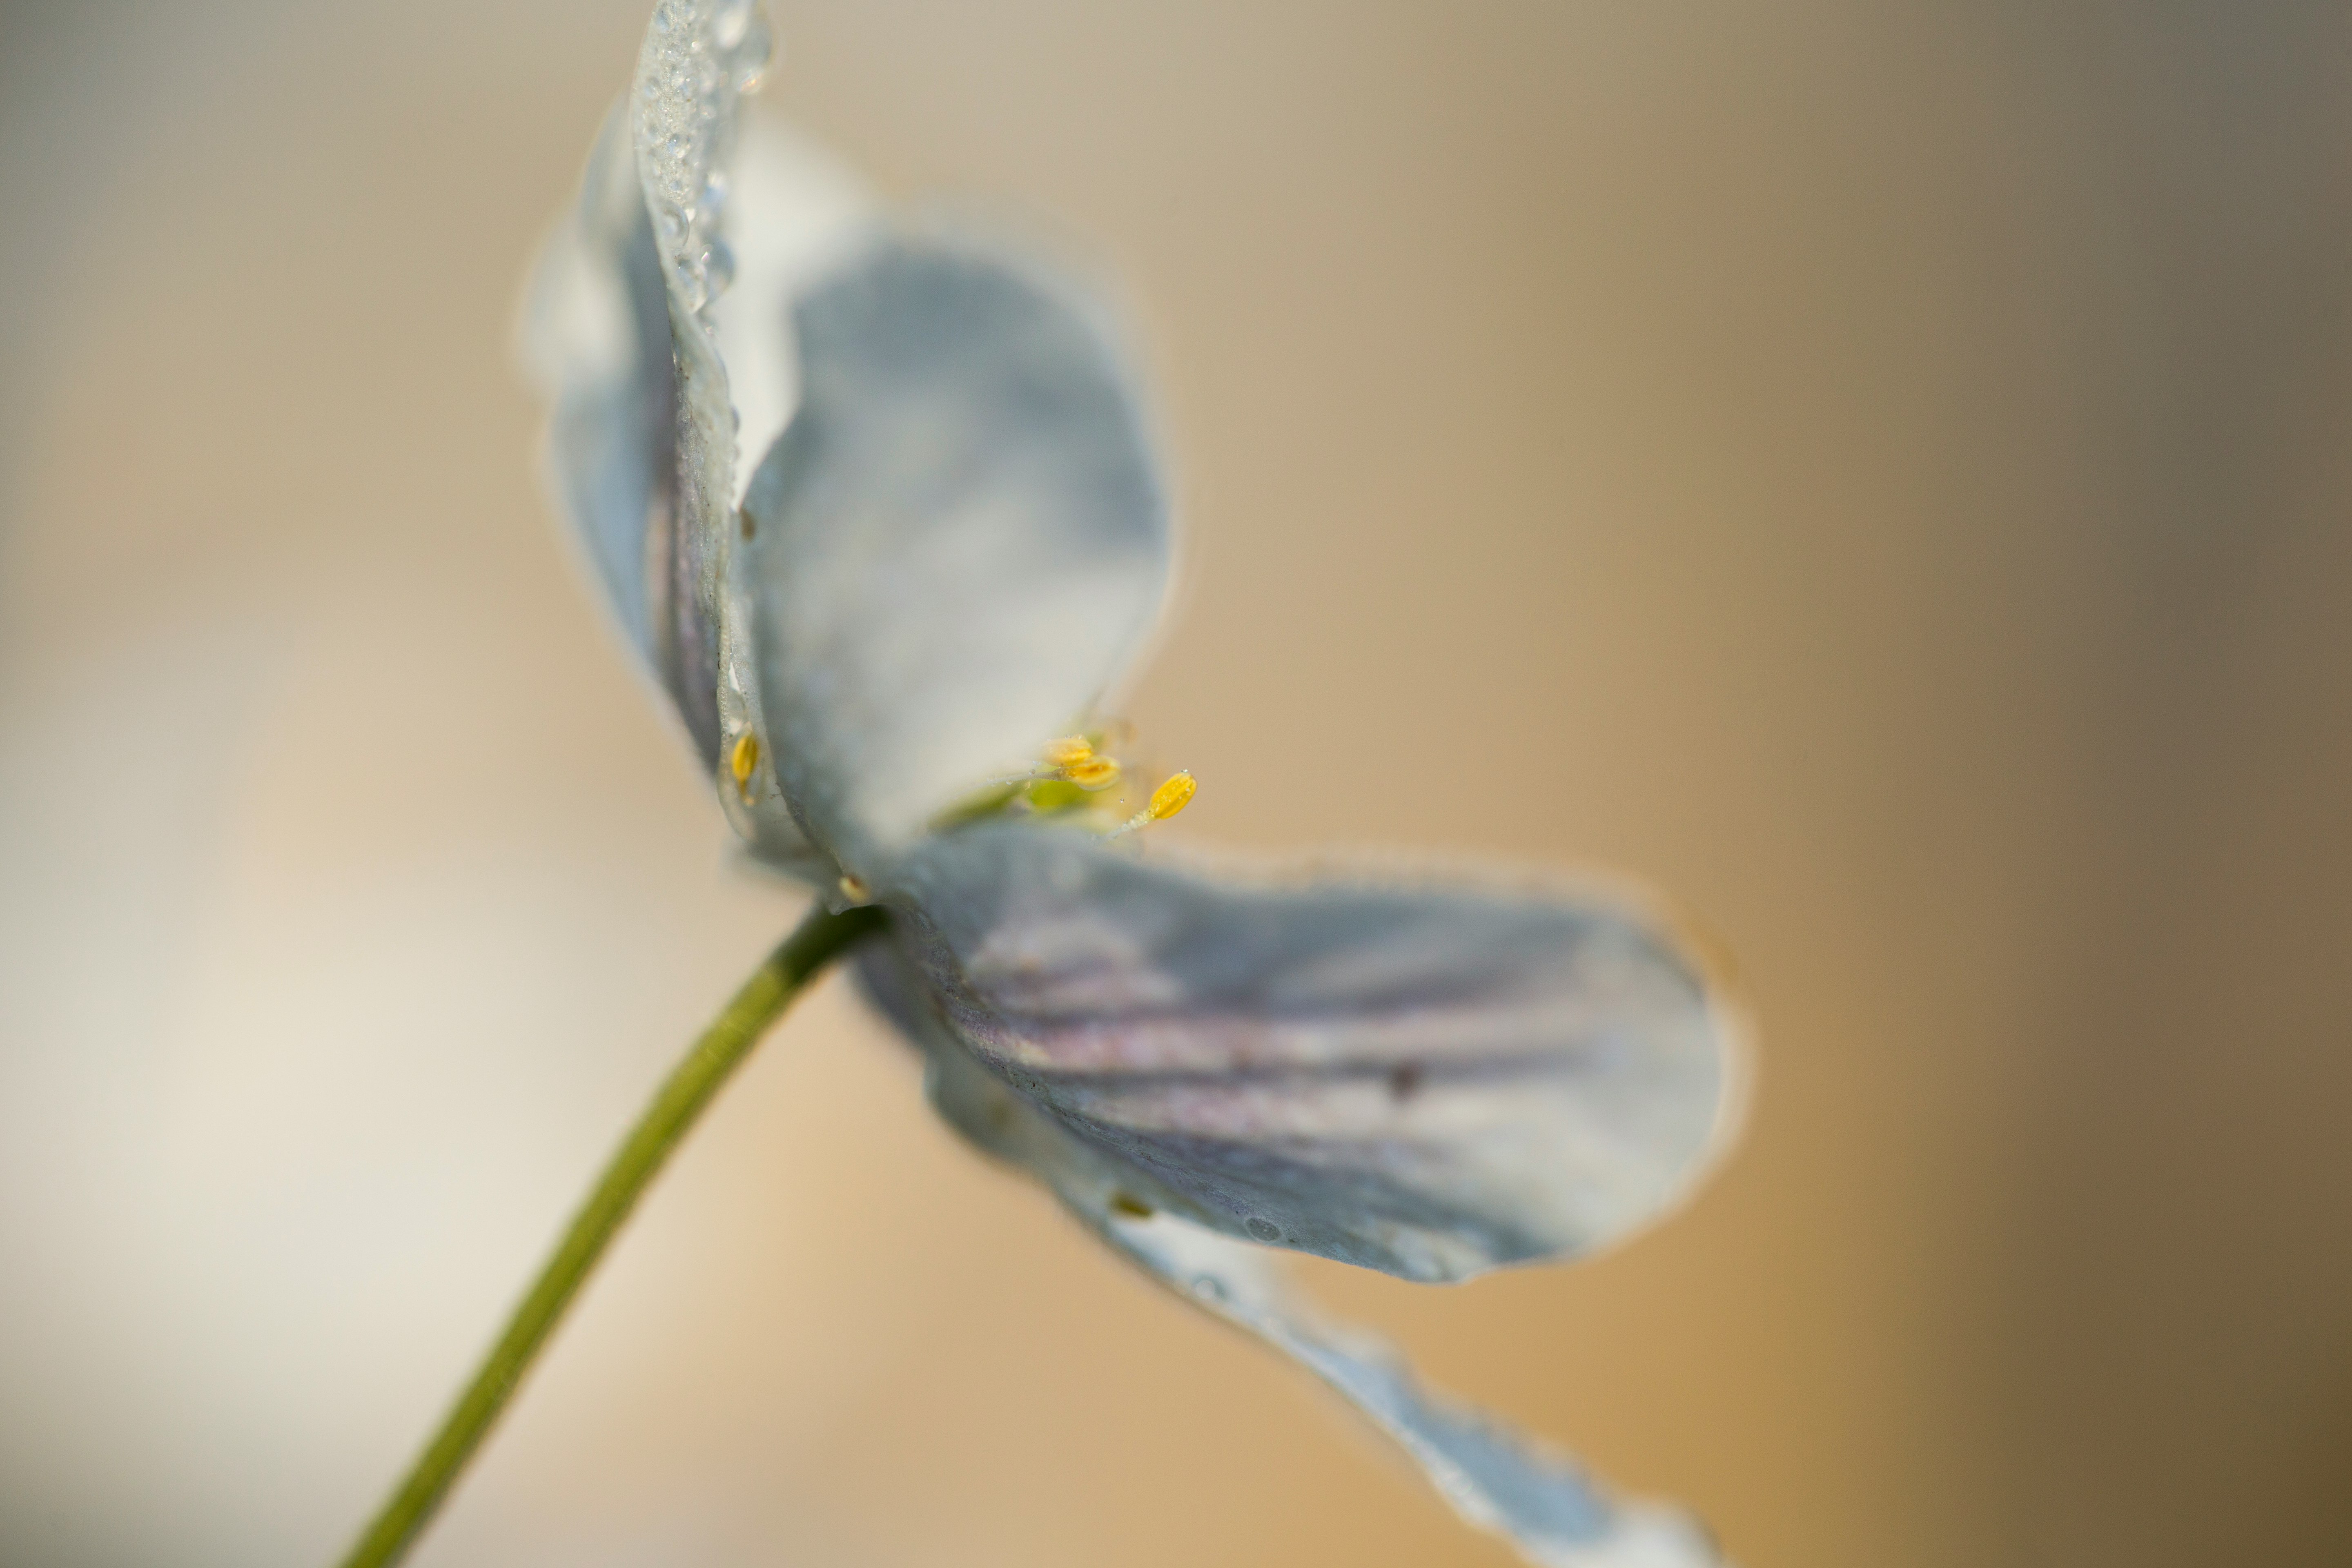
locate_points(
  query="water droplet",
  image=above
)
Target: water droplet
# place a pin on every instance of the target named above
(694, 289)
(1263, 1230)
(712, 203)
(719, 267)
(750, 63)
(1209, 1287)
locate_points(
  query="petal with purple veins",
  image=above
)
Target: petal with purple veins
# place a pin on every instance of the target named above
(1429, 1079)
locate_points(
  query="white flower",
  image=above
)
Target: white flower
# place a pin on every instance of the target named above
(895, 657)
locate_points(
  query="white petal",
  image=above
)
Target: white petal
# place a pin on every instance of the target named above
(651, 365)
(597, 339)
(1426, 1079)
(1548, 1506)
(961, 540)
(792, 213)
(1555, 1513)
(682, 113)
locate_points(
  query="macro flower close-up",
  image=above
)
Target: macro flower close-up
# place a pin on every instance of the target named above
(896, 639)
(1295, 784)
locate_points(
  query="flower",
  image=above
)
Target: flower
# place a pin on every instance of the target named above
(896, 657)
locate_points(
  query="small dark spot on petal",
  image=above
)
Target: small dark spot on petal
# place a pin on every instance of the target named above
(745, 514)
(1263, 1230)
(1404, 1080)
(1128, 1205)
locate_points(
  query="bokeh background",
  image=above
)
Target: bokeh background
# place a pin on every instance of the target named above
(1877, 472)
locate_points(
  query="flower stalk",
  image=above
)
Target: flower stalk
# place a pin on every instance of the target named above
(673, 1112)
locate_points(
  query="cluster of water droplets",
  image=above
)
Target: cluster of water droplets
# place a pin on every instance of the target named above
(700, 57)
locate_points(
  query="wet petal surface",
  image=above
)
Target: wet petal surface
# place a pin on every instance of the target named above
(643, 444)
(957, 544)
(1426, 1079)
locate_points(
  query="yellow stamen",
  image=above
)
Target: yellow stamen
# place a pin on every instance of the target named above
(854, 890)
(1074, 757)
(1171, 796)
(1095, 773)
(742, 761)
(1174, 793)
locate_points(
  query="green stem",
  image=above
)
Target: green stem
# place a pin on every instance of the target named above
(681, 1100)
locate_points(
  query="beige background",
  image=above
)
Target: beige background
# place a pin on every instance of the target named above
(1878, 472)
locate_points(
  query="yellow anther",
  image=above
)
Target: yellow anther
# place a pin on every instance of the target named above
(854, 890)
(1074, 757)
(1171, 796)
(1094, 773)
(742, 759)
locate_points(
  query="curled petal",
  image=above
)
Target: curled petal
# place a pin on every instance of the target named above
(1548, 1507)
(959, 541)
(682, 114)
(792, 212)
(651, 363)
(1429, 1081)
(597, 336)
(1553, 1510)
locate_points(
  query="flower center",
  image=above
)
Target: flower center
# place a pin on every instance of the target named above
(1077, 776)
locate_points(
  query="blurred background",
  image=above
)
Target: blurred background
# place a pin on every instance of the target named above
(1877, 472)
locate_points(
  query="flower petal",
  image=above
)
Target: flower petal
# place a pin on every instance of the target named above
(1429, 1081)
(698, 58)
(597, 337)
(1544, 1503)
(959, 541)
(643, 437)
(792, 213)
(1554, 1511)
(651, 363)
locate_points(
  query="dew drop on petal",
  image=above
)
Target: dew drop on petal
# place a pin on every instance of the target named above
(752, 59)
(700, 57)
